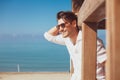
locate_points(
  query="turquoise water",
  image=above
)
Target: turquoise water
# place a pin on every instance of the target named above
(33, 54)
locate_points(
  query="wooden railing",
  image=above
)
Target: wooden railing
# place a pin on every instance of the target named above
(94, 15)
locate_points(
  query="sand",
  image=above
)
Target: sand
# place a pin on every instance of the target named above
(34, 76)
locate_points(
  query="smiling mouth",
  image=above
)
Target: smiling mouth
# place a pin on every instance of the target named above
(63, 32)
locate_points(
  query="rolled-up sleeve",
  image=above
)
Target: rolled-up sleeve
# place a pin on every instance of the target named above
(55, 39)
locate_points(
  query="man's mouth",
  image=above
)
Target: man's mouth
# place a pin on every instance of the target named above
(63, 32)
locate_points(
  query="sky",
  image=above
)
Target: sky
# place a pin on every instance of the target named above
(30, 16)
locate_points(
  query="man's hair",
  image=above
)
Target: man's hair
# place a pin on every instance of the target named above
(68, 16)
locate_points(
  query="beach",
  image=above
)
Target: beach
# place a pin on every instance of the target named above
(34, 76)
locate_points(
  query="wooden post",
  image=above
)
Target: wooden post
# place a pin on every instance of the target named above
(113, 39)
(89, 38)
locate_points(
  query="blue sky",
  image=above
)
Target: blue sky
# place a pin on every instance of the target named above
(33, 17)
(29, 16)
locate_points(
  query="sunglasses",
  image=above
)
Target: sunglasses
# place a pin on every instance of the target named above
(61, 25)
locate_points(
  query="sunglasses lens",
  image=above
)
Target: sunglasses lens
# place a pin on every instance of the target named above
(62, 25)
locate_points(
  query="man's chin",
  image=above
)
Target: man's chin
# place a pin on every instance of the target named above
(64, 36)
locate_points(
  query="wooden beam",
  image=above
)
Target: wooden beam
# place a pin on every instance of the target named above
(89, 46)
(91, 11)
(102, 24)
(113, 39)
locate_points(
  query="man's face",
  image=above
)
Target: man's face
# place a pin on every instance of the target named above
(65, 28)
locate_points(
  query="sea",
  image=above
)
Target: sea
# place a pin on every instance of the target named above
(32, 53)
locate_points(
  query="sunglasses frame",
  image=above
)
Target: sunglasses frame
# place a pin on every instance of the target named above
(61, 25)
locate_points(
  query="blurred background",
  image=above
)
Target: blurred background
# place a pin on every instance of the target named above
(22, 45)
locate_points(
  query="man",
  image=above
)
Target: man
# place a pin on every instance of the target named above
(67, 33)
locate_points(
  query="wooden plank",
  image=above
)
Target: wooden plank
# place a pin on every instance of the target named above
(91, 11)
(89, 43)
(113, 39)
(102, 24)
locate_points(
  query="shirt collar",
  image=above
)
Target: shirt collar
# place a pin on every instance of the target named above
(79, 37)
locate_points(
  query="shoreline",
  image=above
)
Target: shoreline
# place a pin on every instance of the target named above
(33, 72)
(34, 76)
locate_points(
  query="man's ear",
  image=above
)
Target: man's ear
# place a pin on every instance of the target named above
(74, 23)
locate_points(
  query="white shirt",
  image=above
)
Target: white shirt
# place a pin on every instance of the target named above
(75, 52)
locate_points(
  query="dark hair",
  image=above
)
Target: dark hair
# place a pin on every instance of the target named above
(59, 14)
(68, 16)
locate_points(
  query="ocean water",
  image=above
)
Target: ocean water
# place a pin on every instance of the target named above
(32, 54)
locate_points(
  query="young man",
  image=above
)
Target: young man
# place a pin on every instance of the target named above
(67, 33)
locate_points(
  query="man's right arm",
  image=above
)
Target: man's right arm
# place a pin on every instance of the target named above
(53, 36)
(54, 31)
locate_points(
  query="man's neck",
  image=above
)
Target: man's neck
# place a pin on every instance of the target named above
(73, 37)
